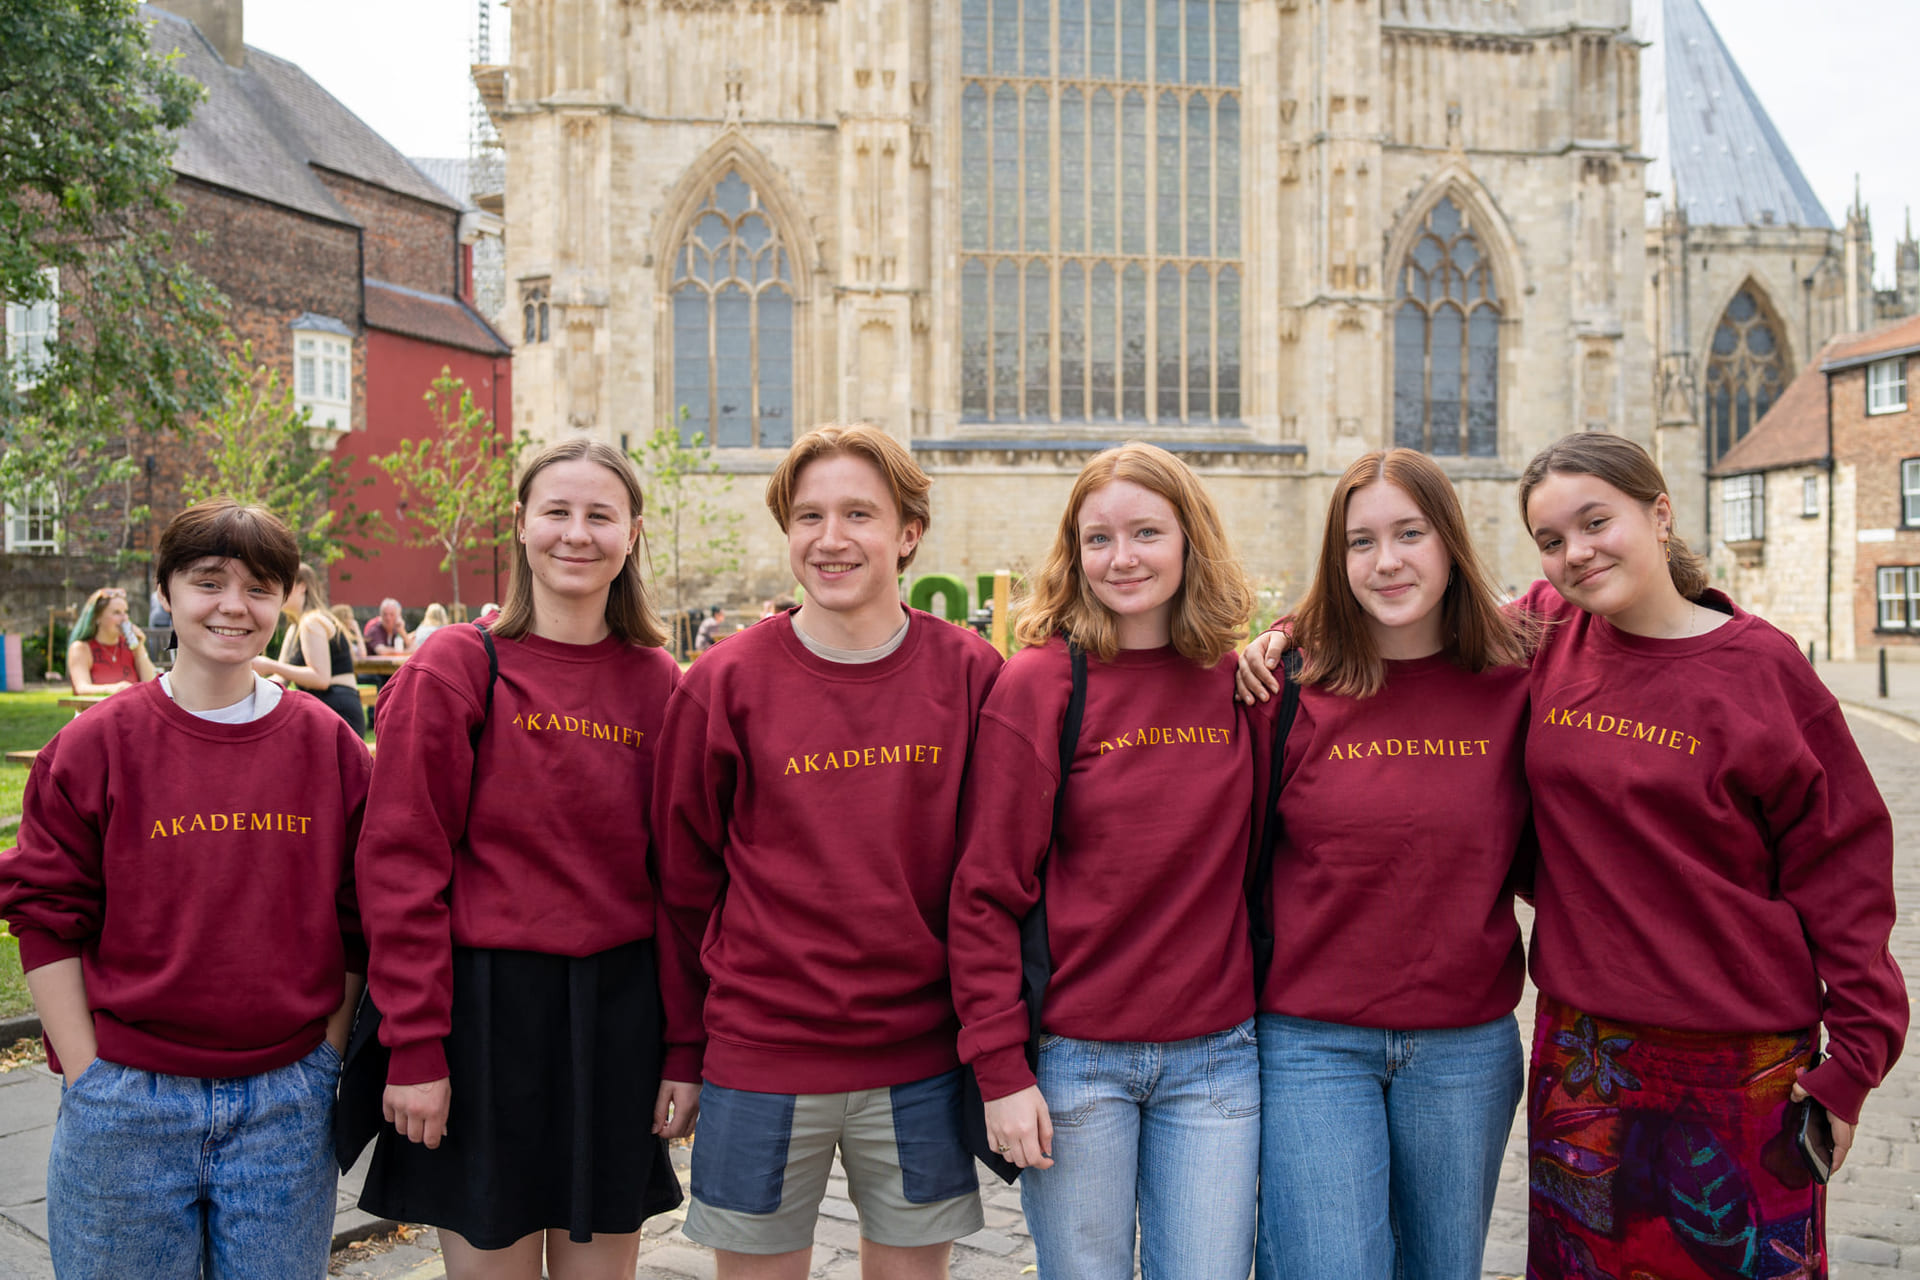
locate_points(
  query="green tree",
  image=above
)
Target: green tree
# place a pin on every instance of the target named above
(698, 535)
(86, 473)
(87, 219)
(257, 445)
(457, 484)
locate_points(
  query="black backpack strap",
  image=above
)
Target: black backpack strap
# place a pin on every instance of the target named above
(1036, 952)
(493, 678)
(1070, 729)
(1261, 923)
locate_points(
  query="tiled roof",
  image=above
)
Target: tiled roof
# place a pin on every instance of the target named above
(264, 125)
(1717, 155)
(1857, 348)
(432, 317)
(1794, 431)
(447, 173)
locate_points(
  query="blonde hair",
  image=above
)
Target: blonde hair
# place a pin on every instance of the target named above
(1331, 627)
(1617, 461)
(908, 484)
(435, 616)
(1214, 602)
(629, 612)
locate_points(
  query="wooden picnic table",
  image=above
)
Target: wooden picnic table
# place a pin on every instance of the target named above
(81, 701)
(376, 664)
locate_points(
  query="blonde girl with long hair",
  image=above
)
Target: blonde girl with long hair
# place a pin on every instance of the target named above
(1147, 1062)
(315, 654)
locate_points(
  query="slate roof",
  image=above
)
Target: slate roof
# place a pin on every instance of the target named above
(1793, 433)
(1717, 155)
(265, 125)
(447, 173)
(432, 317)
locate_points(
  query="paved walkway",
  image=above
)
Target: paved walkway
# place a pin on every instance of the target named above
(1874, 1207)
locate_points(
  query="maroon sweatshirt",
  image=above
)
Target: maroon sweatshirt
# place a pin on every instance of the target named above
(1146, 906)
(1401, 819)
(548, 853)
(1713, 850)
(804, 813)
(226, 852)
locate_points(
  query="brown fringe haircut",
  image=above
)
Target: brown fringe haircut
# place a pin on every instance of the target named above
(909, 485)
(1215, 600)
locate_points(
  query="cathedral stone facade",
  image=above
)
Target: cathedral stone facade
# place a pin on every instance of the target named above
(1267, 234)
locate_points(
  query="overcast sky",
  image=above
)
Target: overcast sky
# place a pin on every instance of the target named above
(1829, 76)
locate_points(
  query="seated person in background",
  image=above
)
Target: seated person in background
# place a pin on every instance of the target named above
(386, 635)
(434, 619)
(108, 652)
(709, 630)
(769, 607)
(356, 643)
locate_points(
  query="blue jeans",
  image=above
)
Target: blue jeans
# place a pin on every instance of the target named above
(1168, 1131)
(180, 1178)
(1380, 1150)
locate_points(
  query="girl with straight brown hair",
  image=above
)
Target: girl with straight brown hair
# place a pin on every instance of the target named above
(1147, 1065)
(1714, 891)
(510, 908)
(1389, 1055)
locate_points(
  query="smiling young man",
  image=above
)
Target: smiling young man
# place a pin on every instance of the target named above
(198, 1023)
(809, 775)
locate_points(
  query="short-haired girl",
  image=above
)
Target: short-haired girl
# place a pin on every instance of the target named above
(197, 1020)
(1146, 1110)
(509, 909)
(316, 655)
(1714, 888)
(108, 652)
(1389, 1055)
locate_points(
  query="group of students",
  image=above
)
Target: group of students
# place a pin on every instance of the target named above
(850, 883)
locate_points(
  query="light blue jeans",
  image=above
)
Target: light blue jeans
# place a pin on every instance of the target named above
(1167, 1132)
(1380, 1150)
(180, 1178)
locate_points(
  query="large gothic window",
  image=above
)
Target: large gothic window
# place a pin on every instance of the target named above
(1446, 343)
(1746, 371)
(733, 324)
(1100, 210)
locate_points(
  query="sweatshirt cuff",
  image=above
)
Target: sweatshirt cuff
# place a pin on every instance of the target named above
(1002, 1072)
(422, 1062)
(683, 1062)
(39, 948)
(1834, 1088)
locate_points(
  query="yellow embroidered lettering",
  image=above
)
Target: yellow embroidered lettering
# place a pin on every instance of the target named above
(159, 830)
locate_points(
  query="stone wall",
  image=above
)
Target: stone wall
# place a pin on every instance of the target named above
(1783, 576)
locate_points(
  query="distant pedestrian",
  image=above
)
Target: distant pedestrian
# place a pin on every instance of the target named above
(1715, 890)
(182, 892)
(510, 907)
(108, 652)
(809, 775)
(315, 655)
(709, 632)
(1148, 1077)
(769, 607)
(386, 632)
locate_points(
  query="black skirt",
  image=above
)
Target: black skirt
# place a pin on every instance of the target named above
(345, 701)
(555, 1062)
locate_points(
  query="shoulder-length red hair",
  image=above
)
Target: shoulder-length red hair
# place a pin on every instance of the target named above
(1330, 626)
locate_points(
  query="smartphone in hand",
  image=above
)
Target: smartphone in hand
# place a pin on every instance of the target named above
(1813, 1129)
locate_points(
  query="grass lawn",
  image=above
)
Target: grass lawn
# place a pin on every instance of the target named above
(27, 721)
(13, 984)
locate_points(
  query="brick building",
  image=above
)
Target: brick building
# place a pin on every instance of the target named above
(346, 268)
(1818, 510)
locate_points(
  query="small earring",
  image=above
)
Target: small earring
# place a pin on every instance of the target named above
(1668, 548)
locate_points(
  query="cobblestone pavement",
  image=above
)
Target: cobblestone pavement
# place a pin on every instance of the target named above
(1873, 1209)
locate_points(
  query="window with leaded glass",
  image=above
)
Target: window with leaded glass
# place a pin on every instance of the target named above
(1746, 370)
(1446, 342)
(1743, 500)
(1100, 274)
(1898, 589)
(732, 349)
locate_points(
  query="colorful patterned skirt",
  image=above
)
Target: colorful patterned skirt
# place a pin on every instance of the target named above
(1656, 1153)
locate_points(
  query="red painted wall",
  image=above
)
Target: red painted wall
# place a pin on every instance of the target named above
(399, 370)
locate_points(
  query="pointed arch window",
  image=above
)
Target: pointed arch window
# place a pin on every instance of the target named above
(733, 299)
(1746, 370)
(1446, 342)
(1099, 211)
